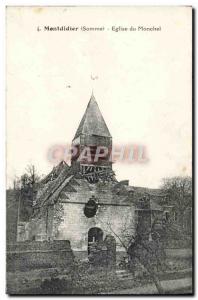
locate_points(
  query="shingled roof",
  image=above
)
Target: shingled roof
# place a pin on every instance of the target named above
(93, 122)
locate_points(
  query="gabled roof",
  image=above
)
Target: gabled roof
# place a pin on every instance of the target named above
(69, 187)
(92, 122)
(51, 186)
(55, 172)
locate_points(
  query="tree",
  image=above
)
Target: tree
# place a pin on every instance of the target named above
(179, 191)
(29, 179)
(26, 187)
(148, 253)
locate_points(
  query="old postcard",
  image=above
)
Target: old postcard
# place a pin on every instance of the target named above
(99, 150)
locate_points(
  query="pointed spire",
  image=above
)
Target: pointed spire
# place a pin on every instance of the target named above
(93, 122)
(92, 97)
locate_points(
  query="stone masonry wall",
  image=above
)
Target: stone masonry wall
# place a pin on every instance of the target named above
(37, 255)
(65, 220)
(75, 224)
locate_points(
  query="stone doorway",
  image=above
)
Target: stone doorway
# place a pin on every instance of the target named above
(95, 234)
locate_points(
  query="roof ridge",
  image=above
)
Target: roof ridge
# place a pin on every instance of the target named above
(92, 122)
(60, 187)
(51, 186)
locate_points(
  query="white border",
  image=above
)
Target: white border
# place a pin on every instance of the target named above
(3, 4)
(98, 2)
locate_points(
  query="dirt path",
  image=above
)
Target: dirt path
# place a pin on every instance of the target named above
(170, 286)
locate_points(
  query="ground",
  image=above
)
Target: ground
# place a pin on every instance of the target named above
(84, 279)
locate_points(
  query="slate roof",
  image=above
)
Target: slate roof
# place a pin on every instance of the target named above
(93, 122)
(156, 196)
(48, 189)
(55, 172)
(69, 186)
(145, 190)
(63, 184)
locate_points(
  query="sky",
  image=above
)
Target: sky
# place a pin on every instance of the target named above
(143, 85)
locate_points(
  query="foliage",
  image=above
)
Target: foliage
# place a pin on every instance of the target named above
(29, 179)
(147, 253)
(58, 217)
(179, 191)
(25, 188)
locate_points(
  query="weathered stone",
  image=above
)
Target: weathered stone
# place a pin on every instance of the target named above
(37, 255)
(110, 244)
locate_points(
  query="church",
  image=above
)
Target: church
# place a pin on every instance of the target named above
(84, 202)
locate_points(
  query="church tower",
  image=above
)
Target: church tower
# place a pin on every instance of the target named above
(93, 144)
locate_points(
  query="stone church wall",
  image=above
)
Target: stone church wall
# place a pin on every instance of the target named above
(75, 224)
(66, 219)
